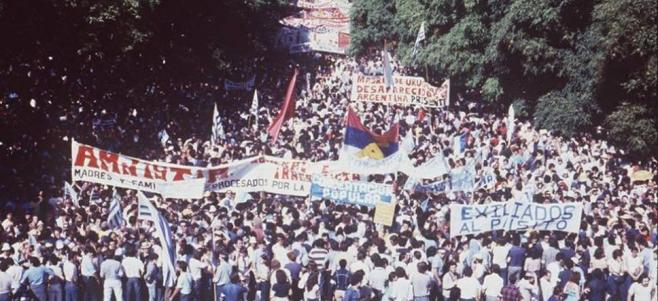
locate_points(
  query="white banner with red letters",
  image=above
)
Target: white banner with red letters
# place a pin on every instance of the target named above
(407, 90)
(96, 165)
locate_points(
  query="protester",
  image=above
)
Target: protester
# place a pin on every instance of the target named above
(261, 246)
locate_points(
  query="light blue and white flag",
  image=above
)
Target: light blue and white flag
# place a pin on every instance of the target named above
(510, 123)
(254, 105)
(71, 194)
(115, 217)
(388, 69)
(164, 137)
(217, 128)
(419, 38)
(148, 212)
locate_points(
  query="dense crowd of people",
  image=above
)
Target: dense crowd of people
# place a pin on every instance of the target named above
(259, 246)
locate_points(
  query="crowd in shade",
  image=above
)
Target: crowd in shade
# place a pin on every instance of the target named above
(259, 246)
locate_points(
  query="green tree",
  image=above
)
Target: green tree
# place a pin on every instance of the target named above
(633, 126)
(572, 62)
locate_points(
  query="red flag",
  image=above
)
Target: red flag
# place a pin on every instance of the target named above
(287, 110)
(420, 116)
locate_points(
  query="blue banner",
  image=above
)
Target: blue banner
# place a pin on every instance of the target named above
(357, 193)
(435, 187)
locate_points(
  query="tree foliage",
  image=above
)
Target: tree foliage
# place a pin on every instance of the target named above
(572, 62)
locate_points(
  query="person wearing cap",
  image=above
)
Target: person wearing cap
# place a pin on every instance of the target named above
(6, 250)
(112, 272)
(36, 277)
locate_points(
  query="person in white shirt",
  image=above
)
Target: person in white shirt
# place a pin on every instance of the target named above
(111, 273)
(634, 265)
(500, 251)
(642, 290)
(528, 287)
(71, 275)
(421, 282)
(547, 283)
(449, 280)
(223, 273)
(401, 288)
(195, 266)
(469, 286)
(134, 270)
(492, 284)
(5, 281)
(16, 273)
(184, 284)
(360, 264)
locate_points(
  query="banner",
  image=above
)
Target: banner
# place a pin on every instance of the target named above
(248, 175)
(246, 85)
(407, 91)
(269, 174)
(391, 164)
(514, 216)
(435, 187)
(324, 27)
(384, 214)
(95, 165)
(435, 167)
(357, 193)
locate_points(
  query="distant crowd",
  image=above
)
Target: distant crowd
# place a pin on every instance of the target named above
(260, 246)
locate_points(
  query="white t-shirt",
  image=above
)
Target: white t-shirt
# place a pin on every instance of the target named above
(132, 267)
(402, 290)
(469, 287)
(492, 285)
(421, 283)
(195, 267)
(641, 292)
(500, 255)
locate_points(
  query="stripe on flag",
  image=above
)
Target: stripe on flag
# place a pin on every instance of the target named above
(388, 69)
(217, 127)
(419, 38)
(254, 109)
(95, 196)
(149, 212)
(71, 194)
(115, 218)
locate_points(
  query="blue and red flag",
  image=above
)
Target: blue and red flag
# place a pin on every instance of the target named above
(363, 143)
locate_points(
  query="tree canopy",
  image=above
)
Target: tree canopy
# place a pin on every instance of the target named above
(574, 65)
